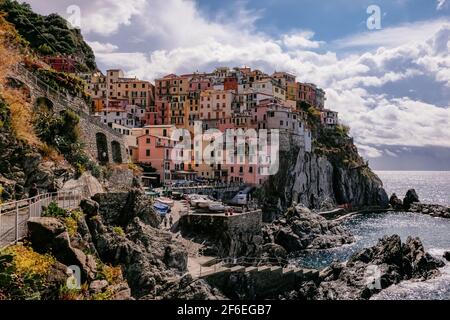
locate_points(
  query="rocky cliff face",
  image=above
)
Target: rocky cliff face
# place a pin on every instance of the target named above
(319, 182)
(21, 164)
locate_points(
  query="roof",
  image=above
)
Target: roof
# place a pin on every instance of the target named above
(157, 136)
(160, 126)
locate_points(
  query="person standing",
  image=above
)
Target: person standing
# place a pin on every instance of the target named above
(33, 192)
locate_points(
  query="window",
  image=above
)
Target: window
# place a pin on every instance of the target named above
(148, 141)
(250, 169)
(147, 153)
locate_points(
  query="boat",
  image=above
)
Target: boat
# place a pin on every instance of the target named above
(196, 199)
(203, 203)
(216, 206)
(165, 201)
(177, 195)
(162, 209)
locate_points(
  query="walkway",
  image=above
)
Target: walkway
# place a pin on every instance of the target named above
(14, 215)
(204, 267)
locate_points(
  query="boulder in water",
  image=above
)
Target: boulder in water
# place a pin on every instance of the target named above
(373, 269)
(447, 255)
(395, 202)
(410, 198)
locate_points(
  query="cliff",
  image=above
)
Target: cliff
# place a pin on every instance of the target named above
(332, 174)
(48, 35)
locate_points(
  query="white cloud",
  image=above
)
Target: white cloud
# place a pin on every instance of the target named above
(441, 4)
(395, 36)
(369, 152)
(103, 17)
(301, 40)
(100, 48)
(188, 40)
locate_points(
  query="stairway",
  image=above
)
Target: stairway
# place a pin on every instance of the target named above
(219, 269)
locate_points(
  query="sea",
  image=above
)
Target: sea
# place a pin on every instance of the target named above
(432, 187)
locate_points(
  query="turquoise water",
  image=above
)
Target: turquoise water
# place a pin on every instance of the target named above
(432, 187)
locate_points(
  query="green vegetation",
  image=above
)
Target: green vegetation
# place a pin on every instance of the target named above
(62, 133)
(54, 211)
(338, 147)
(71, 222)
(48, 34)
(119, 231)
(61, 81)
(23, 273)
(109, 273)
(107, 295)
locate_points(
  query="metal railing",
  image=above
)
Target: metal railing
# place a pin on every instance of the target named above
(14, 215)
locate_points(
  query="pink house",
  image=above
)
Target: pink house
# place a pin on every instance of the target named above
(156, 151)
(199, 83)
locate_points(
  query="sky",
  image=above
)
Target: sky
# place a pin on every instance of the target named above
(390, 80)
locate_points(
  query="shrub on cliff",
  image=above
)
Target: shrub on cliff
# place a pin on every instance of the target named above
(23, 273)
(54, 211)
(62, 133)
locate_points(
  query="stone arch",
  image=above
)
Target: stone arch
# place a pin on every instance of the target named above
(102, 147)
(44, 103)
(116, 152)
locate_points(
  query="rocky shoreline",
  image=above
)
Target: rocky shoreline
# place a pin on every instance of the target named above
(301, 229)
(372, 270)
(411, 203)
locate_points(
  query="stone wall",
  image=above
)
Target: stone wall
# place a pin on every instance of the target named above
(89, 125)
(260, 283)
(233, 236)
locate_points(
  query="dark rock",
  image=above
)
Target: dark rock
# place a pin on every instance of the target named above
(395, 202)
(313, 180)
(43, 231)
(50, 235)
(433, 210)
(98, 286)
(89, 207)
(447, 255)
(239, 235)
(272, 253)
(56, 278)
(373, 269)
(302, 229)
(188, 289)
(121, 208)
(174, 258)
(149, 257)
(410, 198)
